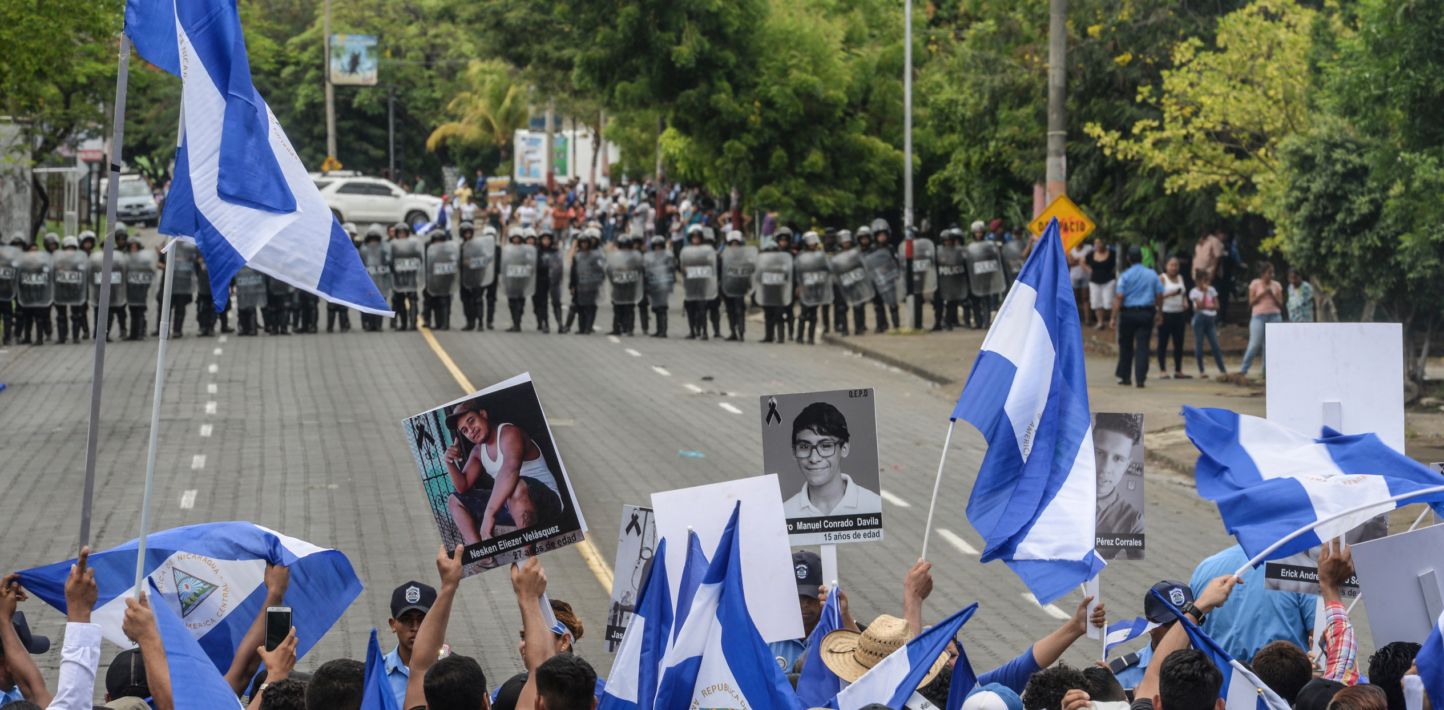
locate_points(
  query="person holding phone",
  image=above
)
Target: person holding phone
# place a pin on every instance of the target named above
(500, 476)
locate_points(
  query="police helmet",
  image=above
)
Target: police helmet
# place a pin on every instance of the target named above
(121, 229)
(735, 236)
(694, 229)
(52, 238)
(811, 239)
(844, 236)
(70, 243)
(978, 226)
(880, 225)
(438, 235)
(709, 235)
(350, 228)
(864, 231)
(488, 231)
(659, 242)
(400, 227)
(88, 234)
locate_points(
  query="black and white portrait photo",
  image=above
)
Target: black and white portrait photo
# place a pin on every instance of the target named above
(823, 448)
(1118, 451)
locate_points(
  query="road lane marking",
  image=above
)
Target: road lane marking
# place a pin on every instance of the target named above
(1048, 609)
(210, 407)
(198, 462)
(188, 499)
(889, 497)
(633, 353)
(213, 368)
(585, 548)
(613, 339)
(217, 351)
(729, 407)
(206, 430)
(221, 339)
(693, 388)
(211, 388)
(953, 539)
(661, 371)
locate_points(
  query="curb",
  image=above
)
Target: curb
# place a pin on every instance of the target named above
(932, 377)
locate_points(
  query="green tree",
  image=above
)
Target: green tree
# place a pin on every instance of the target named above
(489, 113)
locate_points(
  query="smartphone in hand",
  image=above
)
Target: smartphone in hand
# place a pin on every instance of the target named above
(278, 625)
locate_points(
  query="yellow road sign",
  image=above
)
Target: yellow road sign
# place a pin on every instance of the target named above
(330, 164)
(1074, 225)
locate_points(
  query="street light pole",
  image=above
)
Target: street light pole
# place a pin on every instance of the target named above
(907, 117)
(330, 91)
(1057, 168)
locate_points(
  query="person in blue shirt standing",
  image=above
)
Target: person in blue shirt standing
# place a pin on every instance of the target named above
(1139, 303)
(1258, 616)
(410, 603)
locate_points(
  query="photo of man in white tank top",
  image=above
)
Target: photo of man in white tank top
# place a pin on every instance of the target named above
(501, 478)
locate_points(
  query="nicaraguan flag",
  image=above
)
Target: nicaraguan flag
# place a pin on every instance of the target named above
(423, 229)
(1430, 661)
(964, 680)
(694, 569)
(1269, 480)
(1241, 689)
(212, 576)
(376, 693)
(239, 190)
(638, 665)
(895, 678)
(195, 684)
(719, 659)
(1125, 631)
(1035, 498)
(818, 684)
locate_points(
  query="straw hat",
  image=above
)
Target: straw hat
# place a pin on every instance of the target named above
(850, 654)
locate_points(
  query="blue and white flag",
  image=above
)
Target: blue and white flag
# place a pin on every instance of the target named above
(694, 569)
(195, 684)
(423, 229)
(1430, 661)
(895, 678)
(239, 190)
(376, 694)
(1241, 689)
(818, 684)
(212, 576)
(638, 664)
(719, 658)
(1125, 631)
(1035, 497)
(963, 682)
(1269, 481)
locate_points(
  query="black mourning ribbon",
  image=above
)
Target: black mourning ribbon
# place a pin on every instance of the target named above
(772, 411)
(634, 525)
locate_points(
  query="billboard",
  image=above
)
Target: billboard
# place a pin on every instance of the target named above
(353, 60)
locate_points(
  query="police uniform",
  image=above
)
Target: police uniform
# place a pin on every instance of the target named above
(411, 596)
(808, 568)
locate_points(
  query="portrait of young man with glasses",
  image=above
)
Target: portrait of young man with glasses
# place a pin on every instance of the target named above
(820, 445)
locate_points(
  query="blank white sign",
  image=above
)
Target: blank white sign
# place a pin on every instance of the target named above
(1359, 366)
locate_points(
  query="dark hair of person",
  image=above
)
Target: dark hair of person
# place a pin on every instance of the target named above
(1264, 267)
(1201, 274)
(22, 705)
(1387, 667)
(285, 694)
(337, 685)
(455, 683)
(1189, 681)
(1295, 270)
(1103, 686)
(563, 612)
(1360, 697)
(1045, 690)
(566, 682)
(1125, 424)
(1284, 668)
(822, 418)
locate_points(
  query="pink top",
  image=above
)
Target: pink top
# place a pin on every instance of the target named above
(1265, 306)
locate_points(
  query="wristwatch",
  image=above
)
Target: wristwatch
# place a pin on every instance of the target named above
(1189, 608)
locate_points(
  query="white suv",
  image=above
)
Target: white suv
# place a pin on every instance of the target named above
(357, 198)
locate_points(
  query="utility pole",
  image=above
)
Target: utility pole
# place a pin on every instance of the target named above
(1057, 171)
(391, 133)
(549, 160)
(330, 93)
(908, 118)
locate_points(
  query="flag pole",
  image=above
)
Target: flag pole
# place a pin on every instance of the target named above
(1260, 556)
(102, 313)
(938, 482)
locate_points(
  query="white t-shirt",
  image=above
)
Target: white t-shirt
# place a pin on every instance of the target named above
(855, 500)
(1173, 294)
(468, 212)
(527, 215)
(1079, 253)
(1209, 300)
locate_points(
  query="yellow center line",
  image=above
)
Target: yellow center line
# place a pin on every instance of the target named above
(588, 551)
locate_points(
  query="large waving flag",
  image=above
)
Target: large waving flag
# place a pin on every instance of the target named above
(1035, 496)
(195, 684)
(1125, 631)
(694, 569)
(376, 693)
(818, 684)
(719, 658)
(1241, 689)
(895, 678)
(212, 576)
(240, 191)
(1269, 480)
(1430, 662)
(638, 665)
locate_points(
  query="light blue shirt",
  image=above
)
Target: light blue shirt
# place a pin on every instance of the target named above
(11, 696)
(397, 674)
(1138, 285)
(1133, 675)
(1253, 617)
(787, 652)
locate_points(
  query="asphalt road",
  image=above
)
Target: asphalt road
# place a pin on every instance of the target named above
(302, 434)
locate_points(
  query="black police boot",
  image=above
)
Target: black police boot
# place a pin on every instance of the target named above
(661, 331)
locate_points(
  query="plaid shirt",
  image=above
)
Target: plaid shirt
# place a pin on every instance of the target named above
(1339, 645)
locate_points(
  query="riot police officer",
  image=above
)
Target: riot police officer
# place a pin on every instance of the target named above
(79, 320)
(624, 272)
(739, 262)
(698, 264)
(585, 282)
(788, 318)
(376, 255)
(839, 299)
(661, 273)
(443, 261)
(713, 305)
(518, 273)
(773, 289)
(279, 299)
(813, 283)
(467, 232)
(205, 304)
(8, 254)
(34, 291)
(407, 257)
(489, 292)
(69, 270)
(882, 264)
(548, 281)
(138, 281)
(859, 311)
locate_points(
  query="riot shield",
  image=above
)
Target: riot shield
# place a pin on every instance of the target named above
(8, 256)
(250, 288)
(699, 273)
(1013, 259)
(443, 260)
(518, 270)
(883, 269)
(119, 267)
(925, 277)
(624, 273)
(34, 288)
(774, 278)
(406, 262)
(661, 270)
(852, 278)
(952, 273)
(69, 269)
(550, 262)
(182, 257)
(377, 258)
(590, 268)
(738, 265)
(478, 262)
(139, 276)
(278, 288)
(814, 279)
(985, 269)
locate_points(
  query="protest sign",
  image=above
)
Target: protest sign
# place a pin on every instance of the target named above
(1118, 452)
(1400, 577)
(823, 448)
(635, 544)
(492, 476)
(1300, 572)
(1342, 375)
(768, 580)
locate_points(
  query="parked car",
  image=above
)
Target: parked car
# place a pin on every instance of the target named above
(136, 202)
(358, 198)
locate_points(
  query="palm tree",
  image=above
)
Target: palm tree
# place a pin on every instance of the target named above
(494, 109)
